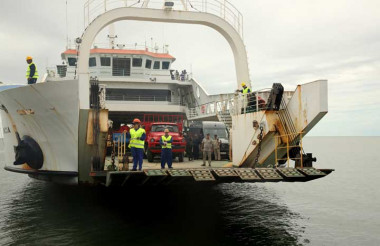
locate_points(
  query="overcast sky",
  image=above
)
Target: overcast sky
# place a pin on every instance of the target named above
(291, 42)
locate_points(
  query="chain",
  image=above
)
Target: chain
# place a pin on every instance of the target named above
(260, 138)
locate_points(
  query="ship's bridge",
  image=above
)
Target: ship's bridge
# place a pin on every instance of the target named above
(124, 64)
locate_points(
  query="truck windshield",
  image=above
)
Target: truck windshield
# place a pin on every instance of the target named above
(221, 132)
(161, 128)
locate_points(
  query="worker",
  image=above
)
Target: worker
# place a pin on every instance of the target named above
(245, 89)
(31, 72)
(189, 147)
(249, 99)
(166, 151)
(207, 148)
(216, 143)
(137, 137)
(196, 144)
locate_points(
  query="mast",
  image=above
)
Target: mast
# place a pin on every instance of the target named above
(111, 36)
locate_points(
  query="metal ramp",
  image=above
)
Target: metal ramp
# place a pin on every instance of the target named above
(202, 175)
(269, 174)
(289, 172)
(225, 172)
(311, 171)
(205, 175)
(179, 173)
(247, 174)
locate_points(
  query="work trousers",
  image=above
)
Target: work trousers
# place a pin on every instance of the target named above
(217, 154)
(166, 157)
(196, 153)
(137, 154)
(208, 155)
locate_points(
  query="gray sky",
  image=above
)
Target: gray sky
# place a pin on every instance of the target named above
(291, 42)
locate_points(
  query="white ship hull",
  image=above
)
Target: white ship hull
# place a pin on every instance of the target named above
(49, 113)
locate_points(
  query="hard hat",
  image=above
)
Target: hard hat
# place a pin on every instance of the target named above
(243, 84)
(29, 58)
(166, 130)
(136, 121)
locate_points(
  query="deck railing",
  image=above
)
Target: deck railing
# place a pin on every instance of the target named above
(221, 8)
(169, 100)
(234, 104)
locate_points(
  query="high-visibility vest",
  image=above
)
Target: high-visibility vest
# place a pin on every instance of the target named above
(245, 90)
(135, 141)
(166, 139)
(35, 76)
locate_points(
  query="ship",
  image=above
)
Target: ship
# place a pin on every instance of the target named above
(58, 129)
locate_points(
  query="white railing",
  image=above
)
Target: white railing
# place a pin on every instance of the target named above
(167, 99)
(234, 105)
(221, 8)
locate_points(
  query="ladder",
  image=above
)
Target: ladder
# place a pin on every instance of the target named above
(292, 138)
(120, 150)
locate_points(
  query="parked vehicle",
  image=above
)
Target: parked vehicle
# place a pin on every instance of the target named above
(199, 129)
(155, 126)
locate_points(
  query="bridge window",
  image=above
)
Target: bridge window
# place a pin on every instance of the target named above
(72, 61)
(136, 62)
(121, 66)
(148, 64)
(156, 65)
(105, 61)
(92, 62)
(165, 65)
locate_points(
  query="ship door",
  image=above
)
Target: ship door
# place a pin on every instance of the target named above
(121, 67)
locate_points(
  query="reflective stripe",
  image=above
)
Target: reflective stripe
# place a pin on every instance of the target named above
(165, 139)
(246, 90)
(35, 76)
(135, 141)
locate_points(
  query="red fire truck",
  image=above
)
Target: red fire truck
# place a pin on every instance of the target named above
(155, 125)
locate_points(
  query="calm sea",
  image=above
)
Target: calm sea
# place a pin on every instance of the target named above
(341, 209)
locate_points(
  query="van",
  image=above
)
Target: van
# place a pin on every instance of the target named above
(199, 129)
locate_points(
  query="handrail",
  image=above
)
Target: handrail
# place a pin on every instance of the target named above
(221, 8)
(237, 104)
(170, 100)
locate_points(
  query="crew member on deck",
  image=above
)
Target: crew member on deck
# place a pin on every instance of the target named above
(31, 72)
(137, 137)
(166, 151)
(245, 89)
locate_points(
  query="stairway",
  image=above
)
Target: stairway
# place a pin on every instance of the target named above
(226, 118)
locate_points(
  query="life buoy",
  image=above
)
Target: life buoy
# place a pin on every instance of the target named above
(203, 109)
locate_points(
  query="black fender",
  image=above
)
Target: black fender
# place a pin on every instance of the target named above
(28, 151)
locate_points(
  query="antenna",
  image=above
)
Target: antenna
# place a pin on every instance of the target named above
(67, 30)
(111, 36)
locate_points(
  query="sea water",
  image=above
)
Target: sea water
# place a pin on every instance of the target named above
(340, 209)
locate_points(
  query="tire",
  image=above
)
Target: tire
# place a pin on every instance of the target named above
(180, 157)
(150, 156)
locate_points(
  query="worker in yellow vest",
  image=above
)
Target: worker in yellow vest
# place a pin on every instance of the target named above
(245, 89)
(137, 137)
(166, 151)
(31, 72)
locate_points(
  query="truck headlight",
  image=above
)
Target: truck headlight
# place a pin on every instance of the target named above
(152, 140)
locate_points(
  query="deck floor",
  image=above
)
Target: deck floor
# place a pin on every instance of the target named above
(179, 165)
